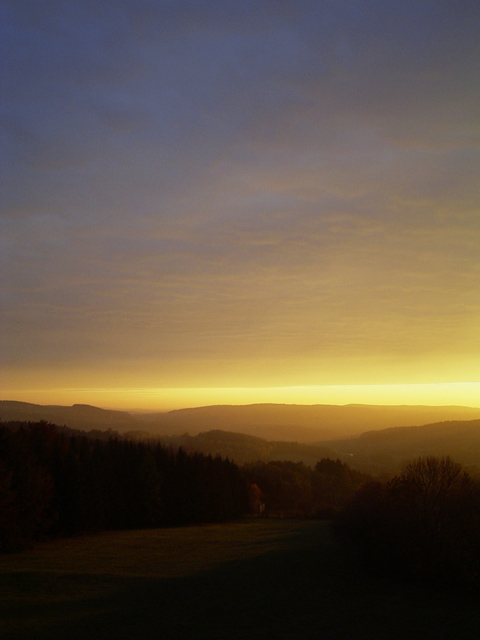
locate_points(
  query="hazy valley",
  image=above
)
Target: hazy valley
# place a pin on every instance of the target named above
(128, 515)
(373, 438)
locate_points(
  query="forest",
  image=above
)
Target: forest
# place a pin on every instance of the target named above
(423, 523)
(58, 482)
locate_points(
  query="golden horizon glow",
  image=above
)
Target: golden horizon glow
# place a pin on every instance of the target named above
(278, 210)
(165, 399)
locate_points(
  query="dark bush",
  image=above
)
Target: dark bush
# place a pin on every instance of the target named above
(423, 524)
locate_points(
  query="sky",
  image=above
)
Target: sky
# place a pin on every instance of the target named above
(232, 201)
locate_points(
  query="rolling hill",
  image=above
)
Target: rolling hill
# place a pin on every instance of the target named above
(300, 423)
(242, 448)
(367, 437)
(384, 450)
(78, 416)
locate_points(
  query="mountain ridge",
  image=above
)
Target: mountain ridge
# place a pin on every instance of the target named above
(376, 451)
(307, 423)
(287, 422)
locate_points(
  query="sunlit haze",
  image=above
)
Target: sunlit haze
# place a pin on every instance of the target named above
(465, 394)
(237, 202)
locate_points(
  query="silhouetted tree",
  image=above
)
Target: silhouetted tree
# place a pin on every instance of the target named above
(60, 482)
(334, 485)
(27, 489)
(424, 523)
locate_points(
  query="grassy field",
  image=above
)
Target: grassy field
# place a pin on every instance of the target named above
(253, 579)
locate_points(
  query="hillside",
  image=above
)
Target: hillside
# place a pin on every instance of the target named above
(301, 423)
(386, 449)
(256, 579)
(242, 448)
(275, 422)
(79, 416)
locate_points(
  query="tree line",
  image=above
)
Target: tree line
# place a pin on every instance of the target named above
(293, 489)
(423, 524)
(56, 482)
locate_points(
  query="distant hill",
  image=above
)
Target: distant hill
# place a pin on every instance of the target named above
(275, 422)
(242, 448)
(79, 416)
(389, 448)
(301, 423)
(367, 437)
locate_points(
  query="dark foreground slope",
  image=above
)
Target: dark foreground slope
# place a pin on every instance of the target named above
(253, 580)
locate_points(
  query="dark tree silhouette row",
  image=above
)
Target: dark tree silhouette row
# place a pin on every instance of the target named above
(293, 489)
(424, 524)
(55, 483)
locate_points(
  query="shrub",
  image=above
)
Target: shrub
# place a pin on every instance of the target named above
(422, 524)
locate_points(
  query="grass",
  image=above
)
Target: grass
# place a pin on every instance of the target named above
(253, 579)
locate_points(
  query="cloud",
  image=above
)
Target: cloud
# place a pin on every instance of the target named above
(279, 92)
(230, 180)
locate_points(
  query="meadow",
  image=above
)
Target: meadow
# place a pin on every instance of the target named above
(250, 579)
